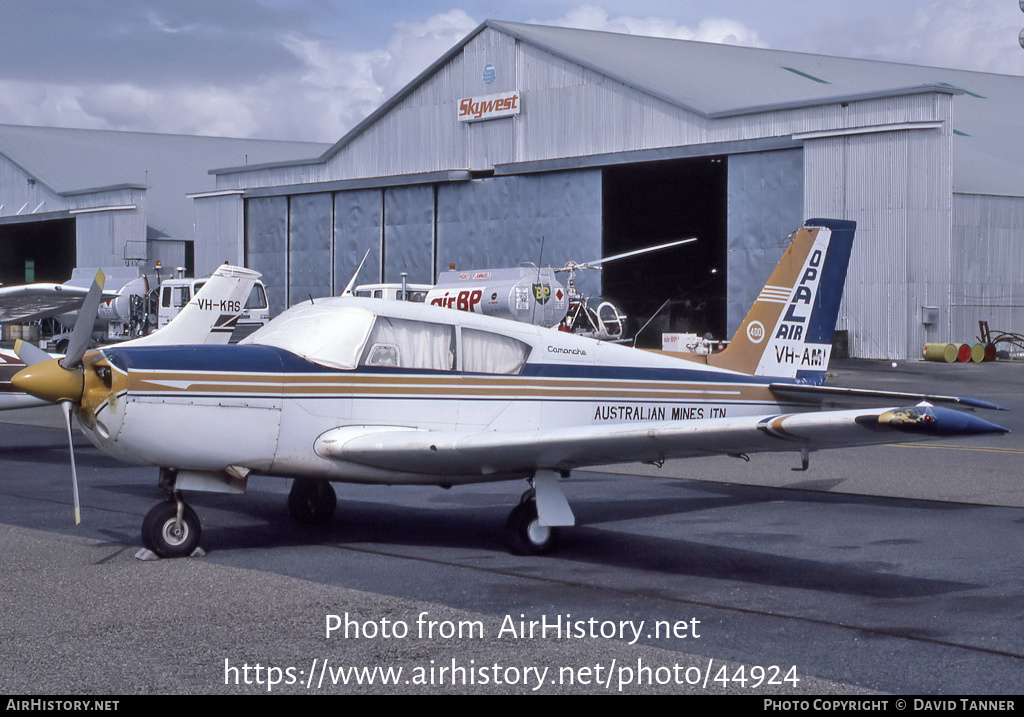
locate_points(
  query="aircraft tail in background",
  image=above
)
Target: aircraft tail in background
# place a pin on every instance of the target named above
(210, 316)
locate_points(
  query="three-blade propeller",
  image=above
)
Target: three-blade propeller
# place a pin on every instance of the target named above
(62, 381)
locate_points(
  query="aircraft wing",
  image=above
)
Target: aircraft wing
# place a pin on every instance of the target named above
(499, 452)
(31, 302)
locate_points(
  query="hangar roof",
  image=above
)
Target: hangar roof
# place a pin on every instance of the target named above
(168, 167)
(726, 80)
(717, 80)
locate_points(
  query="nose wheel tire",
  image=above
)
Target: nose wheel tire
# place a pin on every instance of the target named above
(168, 537)
(525, 534)
(311, 502)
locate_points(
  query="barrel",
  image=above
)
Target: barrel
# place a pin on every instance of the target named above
(978, 353)
(940, 352)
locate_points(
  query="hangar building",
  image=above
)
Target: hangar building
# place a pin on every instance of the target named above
(541, 144)
(96, 198)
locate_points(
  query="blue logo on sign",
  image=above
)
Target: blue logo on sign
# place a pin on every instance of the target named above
(489, 74)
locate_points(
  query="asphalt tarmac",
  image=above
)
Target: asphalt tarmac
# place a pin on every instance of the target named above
(895, 569)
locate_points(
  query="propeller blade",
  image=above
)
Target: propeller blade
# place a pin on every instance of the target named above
(30, 354)
(79, 342)
(65, 407)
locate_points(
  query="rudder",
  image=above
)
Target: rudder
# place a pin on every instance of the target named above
(788, 331)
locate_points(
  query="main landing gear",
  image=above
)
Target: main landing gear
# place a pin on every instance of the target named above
(532, 526)
(311, 502)
(172, 530)
(525, 534)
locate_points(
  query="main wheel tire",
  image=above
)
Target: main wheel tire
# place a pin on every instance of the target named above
(526, 535)
(311, 502)
(162, 534)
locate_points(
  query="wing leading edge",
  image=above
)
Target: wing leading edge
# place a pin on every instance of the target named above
(503, 452)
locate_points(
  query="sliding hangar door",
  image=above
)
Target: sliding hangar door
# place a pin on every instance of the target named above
(740, 208)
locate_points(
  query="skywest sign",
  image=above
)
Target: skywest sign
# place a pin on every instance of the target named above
(475, 109)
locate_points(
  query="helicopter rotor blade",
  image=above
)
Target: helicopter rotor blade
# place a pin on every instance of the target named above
(635, 252)
(573, 266)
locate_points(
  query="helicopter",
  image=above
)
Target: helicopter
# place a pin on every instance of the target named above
(533, 295)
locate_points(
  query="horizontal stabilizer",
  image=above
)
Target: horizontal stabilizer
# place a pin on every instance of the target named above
(800, 391)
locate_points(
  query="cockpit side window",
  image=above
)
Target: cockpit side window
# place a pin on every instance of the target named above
(484, 352)
(333, 337)
(410, 344)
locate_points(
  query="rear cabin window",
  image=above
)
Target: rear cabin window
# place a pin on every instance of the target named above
(484, 352)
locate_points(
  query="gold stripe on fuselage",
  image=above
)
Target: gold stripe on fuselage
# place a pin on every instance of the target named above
(467, 386)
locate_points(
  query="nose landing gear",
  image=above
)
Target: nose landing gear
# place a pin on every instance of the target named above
(171, 529)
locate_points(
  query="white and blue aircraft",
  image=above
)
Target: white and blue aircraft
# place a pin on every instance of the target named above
(360, 390)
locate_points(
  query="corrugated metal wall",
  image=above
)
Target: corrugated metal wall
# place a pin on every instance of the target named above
(897, 187)
(219, 223)
(266, 246)
(310, 246)
(766, 204)
(409, 233)
(987, 264)
(170, 254)
(358, 233)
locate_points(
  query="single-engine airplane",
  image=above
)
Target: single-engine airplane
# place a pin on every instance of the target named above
(208, 318)
(376, 391)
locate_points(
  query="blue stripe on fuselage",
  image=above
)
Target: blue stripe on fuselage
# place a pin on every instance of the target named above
(254, 358)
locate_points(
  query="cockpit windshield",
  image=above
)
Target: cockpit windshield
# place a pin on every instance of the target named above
(330, 336)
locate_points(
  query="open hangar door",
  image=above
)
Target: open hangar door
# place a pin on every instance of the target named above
(655, 203)
(42, 251)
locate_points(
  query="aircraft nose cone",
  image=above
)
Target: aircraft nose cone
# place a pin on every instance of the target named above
(50, 381)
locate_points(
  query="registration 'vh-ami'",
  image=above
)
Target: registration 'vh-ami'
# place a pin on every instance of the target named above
(358, 390)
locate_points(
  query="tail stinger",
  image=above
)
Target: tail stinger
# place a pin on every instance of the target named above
(788, 331)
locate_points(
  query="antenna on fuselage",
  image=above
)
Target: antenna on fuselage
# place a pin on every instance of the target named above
(352, 281)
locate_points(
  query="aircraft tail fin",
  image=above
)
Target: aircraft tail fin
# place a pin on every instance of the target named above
(210, 316)
(788, 331)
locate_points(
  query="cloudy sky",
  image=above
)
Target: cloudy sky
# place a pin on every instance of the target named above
(311, 69)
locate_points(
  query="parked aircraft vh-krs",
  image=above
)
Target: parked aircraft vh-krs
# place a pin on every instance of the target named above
(209, 318)
(376, 391)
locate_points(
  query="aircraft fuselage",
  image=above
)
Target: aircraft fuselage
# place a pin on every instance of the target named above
(264, 408)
